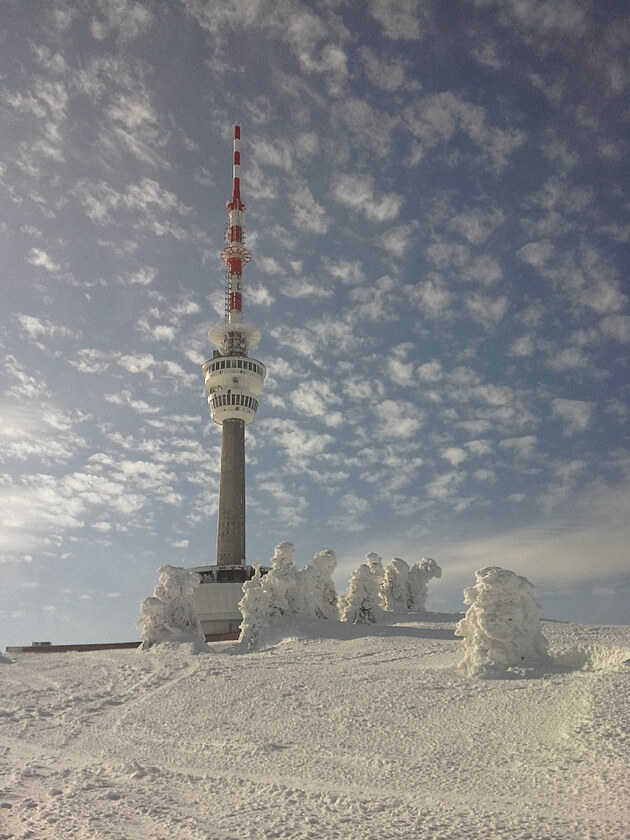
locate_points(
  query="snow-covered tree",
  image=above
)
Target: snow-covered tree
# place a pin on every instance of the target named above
(267, 599)
(254, 607)
(502, 626)
(281, 582)
(375, 562)
(169, 616)
(419, 575)
(394, 586)
(321, 594)
(360, 604)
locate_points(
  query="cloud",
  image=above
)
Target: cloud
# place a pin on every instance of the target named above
(487, 55)
(477, 225)
(575, 415)
(485, 310)
(522, 346)
(351, 510)
(536, 254)
(454, 455)
(398, 240)
(316, 399)
(541, 17)
(445, 487)
(300, 445)
(39, 257)
(350, 272)
(299, 339)
(35, 329)
(259, 295)
(307, 214)
(482, 406)
(431, 371)
(44, 435)
(143, 276)
(478, 448)
(127, 18)
(616, 327)
(91, 361)
(386, 75)
(398, 418)
(570, 358)
(133, 124)
(400, 372)
(138, 363)
(432, 298)
(164, 325)
(434, 119)
(399, 18)
(585, 542)
(357, 192)
(145, 199)
(124, 398)
(302, 287)
(290, 507)
(371, 127)
(482, 269)
(524, 446)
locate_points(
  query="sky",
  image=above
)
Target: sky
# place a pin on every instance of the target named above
(437, 210)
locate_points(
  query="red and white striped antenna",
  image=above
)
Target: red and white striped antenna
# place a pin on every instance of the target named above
(235, 255)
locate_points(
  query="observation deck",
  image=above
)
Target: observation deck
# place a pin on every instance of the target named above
(233, 384)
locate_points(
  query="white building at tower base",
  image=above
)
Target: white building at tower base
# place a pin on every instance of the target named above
(217, 597)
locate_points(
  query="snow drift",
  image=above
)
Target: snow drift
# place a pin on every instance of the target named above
(352, 735)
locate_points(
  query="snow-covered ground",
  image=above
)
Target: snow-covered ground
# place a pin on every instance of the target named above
(371, 731)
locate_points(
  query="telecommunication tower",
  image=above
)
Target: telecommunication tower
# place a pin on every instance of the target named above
(233, 379)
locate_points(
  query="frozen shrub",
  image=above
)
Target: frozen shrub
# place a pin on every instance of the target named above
(169, 615)
(360, 605)
(394, 586)
(419, 575)
(502, 626)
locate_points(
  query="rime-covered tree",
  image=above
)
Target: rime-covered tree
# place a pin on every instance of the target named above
(281, 582)
(502, 626)
(169, 616)
(267, 599)
(419, 576)
(394, 586)
(255, 609)
(360, 604)
(321, 594)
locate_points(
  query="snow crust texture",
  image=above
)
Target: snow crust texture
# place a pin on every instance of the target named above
(341, 731)
(169, 616)
(501, 629)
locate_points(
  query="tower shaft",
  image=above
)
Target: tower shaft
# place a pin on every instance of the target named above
(231, 517)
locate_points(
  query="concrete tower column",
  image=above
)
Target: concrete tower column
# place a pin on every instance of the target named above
(231, 518)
